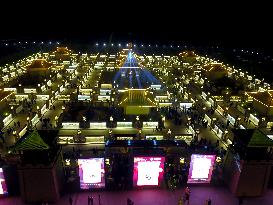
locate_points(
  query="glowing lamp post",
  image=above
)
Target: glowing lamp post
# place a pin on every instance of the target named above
(163, 119)
(169, 133)
(14, 135)
(189, 121)
(225, 135)
(111, 121)
(110, 133)
(28, 122)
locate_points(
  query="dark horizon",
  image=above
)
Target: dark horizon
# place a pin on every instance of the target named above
(262, 41)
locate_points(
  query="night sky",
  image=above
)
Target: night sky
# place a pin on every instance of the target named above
(233, 26)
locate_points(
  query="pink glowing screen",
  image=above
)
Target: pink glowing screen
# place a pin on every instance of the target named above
(148, 171)
(201, 168)
(91, 172)
(3, 186)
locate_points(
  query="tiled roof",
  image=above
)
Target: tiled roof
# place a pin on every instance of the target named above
(39, 64)
(264, 97)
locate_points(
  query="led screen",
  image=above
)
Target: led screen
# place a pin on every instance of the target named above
(3, 186)
(201, 168)
(91, 172)
(148, 171)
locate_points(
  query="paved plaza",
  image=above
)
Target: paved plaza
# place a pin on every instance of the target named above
(218, 196)
(93, 100)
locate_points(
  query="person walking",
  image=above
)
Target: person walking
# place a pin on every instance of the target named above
(89, 200)
(70, 200)
(187, 195)
(2, 136)
(129, 202)
(180, 201)
(240, 200)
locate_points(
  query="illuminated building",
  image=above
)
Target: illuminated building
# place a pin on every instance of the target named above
(40, 168)
(214, 71)
(262, 102)
(248, 164)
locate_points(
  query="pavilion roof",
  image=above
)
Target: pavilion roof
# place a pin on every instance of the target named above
(39, 64)
(265, 97)
(253, 138)
(4, 94)
(137, 97)
(215, 67)
(62, 50)
(32, 141)
(189, 54)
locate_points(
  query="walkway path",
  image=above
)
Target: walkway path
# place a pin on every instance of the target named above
(218, 195)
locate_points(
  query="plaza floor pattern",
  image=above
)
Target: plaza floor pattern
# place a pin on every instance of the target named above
(218, 196)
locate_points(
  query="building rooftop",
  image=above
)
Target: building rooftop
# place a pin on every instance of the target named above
(62, 50)
(37, 147)
(263, 97)
(215, 67)
(39, 65)
(188, 54)
(4, 94)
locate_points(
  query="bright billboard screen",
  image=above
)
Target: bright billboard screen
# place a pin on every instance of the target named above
(3, 186)
(91, 172)
(148, 171)
(201, 168)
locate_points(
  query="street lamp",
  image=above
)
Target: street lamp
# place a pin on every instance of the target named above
(163, 118)
(14, 135)
(110, 133)
(169, 132)
(189, 119)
